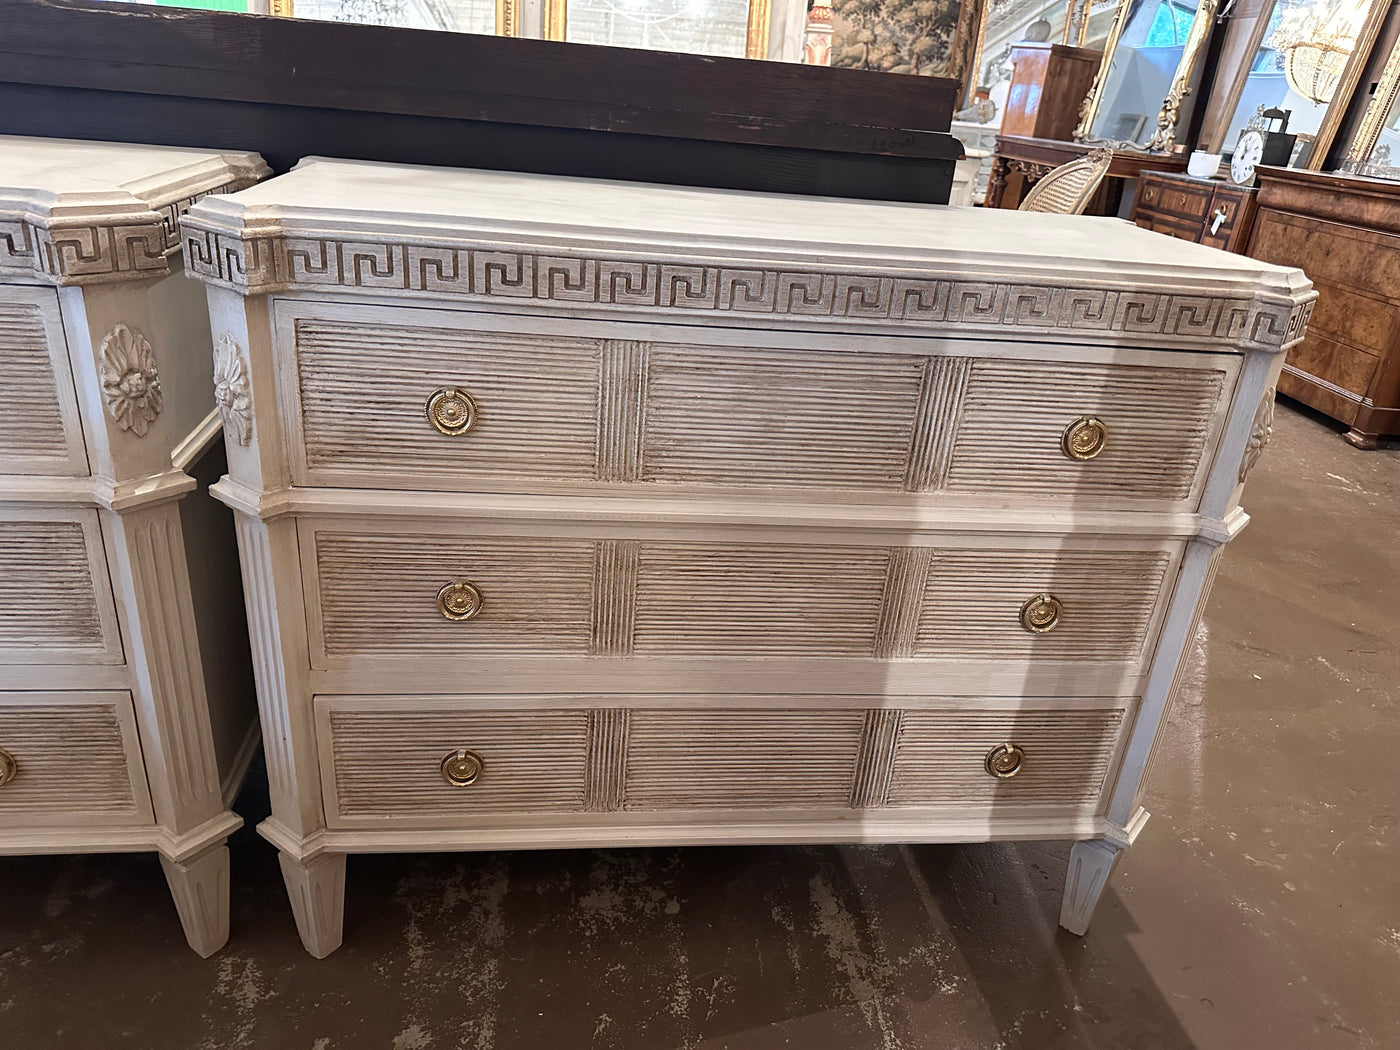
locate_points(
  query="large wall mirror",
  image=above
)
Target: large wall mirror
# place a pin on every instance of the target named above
(1307, 56)
(1376, 149)
(1151, 56)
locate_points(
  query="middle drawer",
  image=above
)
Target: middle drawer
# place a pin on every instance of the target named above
(401, 592)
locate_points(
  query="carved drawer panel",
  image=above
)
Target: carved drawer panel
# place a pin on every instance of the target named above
(1159, 423)
(424, 760)
(384, 760)
(55, 595)
(741, 759)
(70, 758)
(391, 594)
(1064, 757)
(39, 428)
(1184, 200)
(529, 408)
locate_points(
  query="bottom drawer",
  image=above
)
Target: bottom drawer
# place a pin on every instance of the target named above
(70, 758)
(452, 761)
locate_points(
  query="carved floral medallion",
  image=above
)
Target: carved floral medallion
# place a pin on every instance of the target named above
(1259, 434)
(130, 382)
(231, 392)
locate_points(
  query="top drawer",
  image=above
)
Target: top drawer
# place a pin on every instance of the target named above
(39, 428)
(544, 405)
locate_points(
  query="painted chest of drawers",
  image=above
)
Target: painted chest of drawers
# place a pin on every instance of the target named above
(126, 710)
(577, 513)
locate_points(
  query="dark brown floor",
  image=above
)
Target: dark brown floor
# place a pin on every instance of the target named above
(1260, 908)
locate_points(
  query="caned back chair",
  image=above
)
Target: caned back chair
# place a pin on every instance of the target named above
(1068, 189)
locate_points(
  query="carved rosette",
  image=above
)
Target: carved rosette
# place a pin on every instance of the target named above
(231, 393)
(130, 382)
(1259, 434)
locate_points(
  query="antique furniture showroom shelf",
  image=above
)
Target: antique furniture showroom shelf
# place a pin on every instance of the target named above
(578, 513)
(114, 734)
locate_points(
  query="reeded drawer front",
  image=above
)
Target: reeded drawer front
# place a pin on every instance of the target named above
(70, 758)
(55, 594)
(1056, 757)
(442, 399)
(425, 760)
(380, 595)
(39, 428)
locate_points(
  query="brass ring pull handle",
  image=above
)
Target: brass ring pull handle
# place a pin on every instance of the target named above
(1004, 761)
(9, 767)
(1084, 438)
(460, 600)
(462, 767)
(452, 410)
(1041, 613)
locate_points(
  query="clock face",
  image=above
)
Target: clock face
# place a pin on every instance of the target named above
(1248, 152)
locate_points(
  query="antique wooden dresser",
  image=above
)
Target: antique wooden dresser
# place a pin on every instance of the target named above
(127, 714)
(1346, 231)
(576, 513)
(1215, 212)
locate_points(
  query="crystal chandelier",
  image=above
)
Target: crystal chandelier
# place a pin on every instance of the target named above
(1315, 42)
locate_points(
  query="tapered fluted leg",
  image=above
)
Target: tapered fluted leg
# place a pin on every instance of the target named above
(200, 888)
(317, 891)
(1090, 864)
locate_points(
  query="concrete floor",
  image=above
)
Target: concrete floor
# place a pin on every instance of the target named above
(1260, 908)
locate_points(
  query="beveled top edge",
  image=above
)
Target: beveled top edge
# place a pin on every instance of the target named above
(521, 240)
(71, 181)
(414, 202)
(74, 212)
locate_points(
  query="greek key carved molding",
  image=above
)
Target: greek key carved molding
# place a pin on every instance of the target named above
(99, 251)
(259, 265)
(231, 392)
(130, 382)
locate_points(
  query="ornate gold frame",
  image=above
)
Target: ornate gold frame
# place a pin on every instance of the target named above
(556, 24)
(507, 14)
(1368, 133)
(1341, 97)
(1164, 138)
(1071, 6)
(507, 17)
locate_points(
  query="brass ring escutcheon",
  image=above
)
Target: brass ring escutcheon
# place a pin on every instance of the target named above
(1041, 613)
(1004, 761)
(462, 767)
(1084, 438)
(9, 767)
(460, 600)
(452, 410)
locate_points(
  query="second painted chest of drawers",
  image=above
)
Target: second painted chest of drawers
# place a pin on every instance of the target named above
(126, 708)
(576, 513)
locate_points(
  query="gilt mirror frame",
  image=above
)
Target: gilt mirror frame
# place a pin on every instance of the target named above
(1192, 52)
(1212, 137)
(555, 18)
(1072, 28)
(1368, 133)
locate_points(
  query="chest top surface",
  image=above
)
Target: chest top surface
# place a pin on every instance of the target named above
(75, 212)
(392, 229)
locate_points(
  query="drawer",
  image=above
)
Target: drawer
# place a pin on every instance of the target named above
(55, 595)
(39, 428)
(1184, 200)
(376, 595)
(70, 758)
(551, 407)
(454, 760)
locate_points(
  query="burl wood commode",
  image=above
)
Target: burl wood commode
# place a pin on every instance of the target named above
(577, 513)
(126, 701)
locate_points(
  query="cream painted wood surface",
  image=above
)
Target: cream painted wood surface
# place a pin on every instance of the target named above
(758, 505)
(107, 724)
